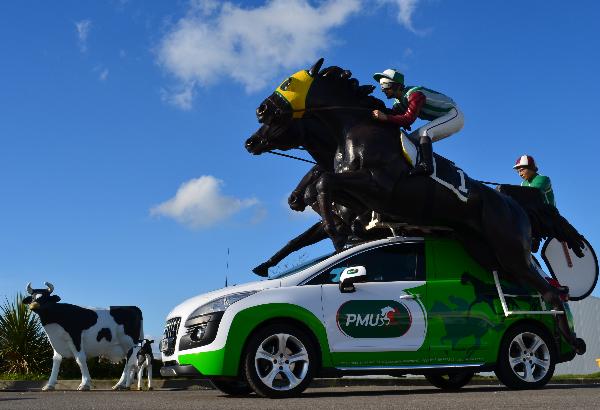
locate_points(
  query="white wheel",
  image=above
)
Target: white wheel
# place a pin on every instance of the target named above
(280, 361)
(529, 357)
(526, 358)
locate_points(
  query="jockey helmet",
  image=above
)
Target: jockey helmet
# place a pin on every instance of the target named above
(389, 76)
(525, 161)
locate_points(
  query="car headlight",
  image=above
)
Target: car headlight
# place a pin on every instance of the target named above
(217, 305)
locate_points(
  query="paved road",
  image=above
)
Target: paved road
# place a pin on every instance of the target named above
(360, 397)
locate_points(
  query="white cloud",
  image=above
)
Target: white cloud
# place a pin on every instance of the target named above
(206, 7)
(199, 203)
(219, 41)
(181, 97)
(103, 75)
(83, 30)
(406, 9)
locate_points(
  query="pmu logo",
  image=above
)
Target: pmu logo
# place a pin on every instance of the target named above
(373, 319)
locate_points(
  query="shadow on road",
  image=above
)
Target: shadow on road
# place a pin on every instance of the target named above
(425, 390)
(418, 390)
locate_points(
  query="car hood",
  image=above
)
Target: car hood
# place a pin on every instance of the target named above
(185, 308)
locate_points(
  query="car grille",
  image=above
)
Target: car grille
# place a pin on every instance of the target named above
(170, 336)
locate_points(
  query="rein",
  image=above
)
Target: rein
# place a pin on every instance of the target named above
(291, 156)
(488, 182)
(332, 108)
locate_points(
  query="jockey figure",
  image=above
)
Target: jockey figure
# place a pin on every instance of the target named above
(527, 170)
(410, 103)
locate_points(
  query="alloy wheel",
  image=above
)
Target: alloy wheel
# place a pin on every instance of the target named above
(281, 361)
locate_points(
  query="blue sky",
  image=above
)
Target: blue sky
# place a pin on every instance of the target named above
(123, 177)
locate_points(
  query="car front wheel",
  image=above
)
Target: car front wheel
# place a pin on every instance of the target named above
(452, 381)
(280, 361)
(526, 359)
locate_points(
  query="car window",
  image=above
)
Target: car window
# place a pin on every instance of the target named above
(392, 263)
(300, 267)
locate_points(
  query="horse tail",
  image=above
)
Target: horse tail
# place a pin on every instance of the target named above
(545, 219)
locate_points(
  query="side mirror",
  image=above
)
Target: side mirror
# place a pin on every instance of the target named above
(350, 276)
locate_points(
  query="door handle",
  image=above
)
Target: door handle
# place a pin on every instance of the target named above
(408, 296)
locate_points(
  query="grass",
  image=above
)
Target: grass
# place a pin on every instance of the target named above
(23, 376)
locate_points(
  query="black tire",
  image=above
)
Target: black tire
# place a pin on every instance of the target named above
(451, 381)
(518, 367)
(268, 369)
(232, 387)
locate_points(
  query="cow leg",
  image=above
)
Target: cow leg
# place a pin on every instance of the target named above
(140, 375)
(56, 360)
(125, 380)
(86, 380)
(149, 371)
(130, 377)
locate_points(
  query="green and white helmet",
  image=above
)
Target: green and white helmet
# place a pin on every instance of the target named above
(389, 75)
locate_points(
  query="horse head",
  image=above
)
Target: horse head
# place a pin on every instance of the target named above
(289, 99)
(312, 90)
(307, 95)
(277, 136)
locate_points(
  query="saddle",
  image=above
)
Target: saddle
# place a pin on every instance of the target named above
(445, 172)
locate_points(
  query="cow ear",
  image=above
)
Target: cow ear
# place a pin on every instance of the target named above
(27, 300)
(54, 299)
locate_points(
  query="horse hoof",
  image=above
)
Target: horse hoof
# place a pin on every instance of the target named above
(84, 387)
(339, 243)
(48, 388)
(262, 270)
(579, 346)
(150, 388)
(119, 387)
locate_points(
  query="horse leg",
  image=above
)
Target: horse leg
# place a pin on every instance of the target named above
(298, 198)
(337, 188)
(508, 231)
(311, 236)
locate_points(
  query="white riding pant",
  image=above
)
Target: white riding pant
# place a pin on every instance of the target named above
(441, 127)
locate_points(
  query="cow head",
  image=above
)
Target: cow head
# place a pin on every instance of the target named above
(40, 298)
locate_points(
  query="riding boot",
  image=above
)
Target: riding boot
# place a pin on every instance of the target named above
(425, 165)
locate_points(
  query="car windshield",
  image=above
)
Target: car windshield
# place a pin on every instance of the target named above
(300, 267)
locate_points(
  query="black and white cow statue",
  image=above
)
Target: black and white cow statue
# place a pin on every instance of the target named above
(79, 332)
(142, 359)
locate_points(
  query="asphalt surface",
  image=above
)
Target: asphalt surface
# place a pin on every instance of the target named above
(576, 396)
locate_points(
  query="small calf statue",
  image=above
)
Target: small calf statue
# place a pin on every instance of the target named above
(79, 332)
(141, 356)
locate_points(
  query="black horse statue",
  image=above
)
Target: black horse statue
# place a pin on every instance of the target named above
(320, 109)
(348, 224)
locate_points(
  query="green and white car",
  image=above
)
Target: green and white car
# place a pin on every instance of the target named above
(392, 306)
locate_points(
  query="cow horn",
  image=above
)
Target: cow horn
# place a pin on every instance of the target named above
(314, 70)
(50, 286)
(29, 289)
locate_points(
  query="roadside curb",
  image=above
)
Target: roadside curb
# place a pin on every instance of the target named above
(168, 384)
